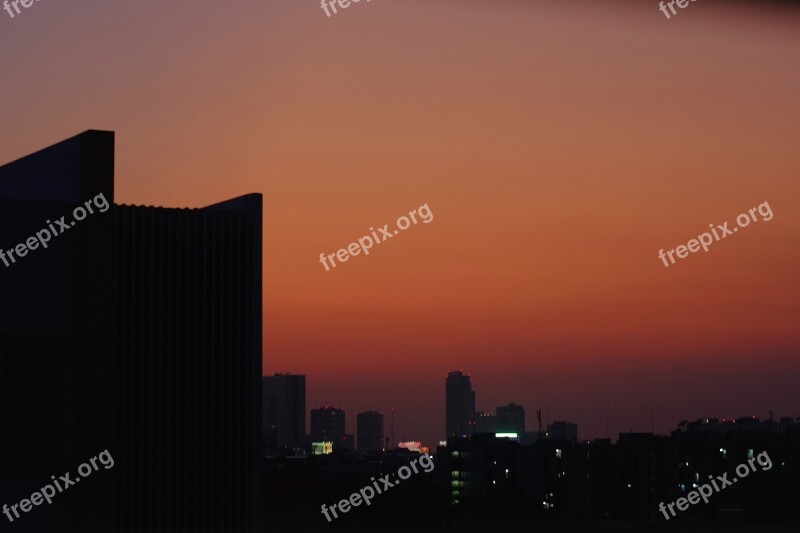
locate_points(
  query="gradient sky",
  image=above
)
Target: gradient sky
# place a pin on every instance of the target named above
(559, 144)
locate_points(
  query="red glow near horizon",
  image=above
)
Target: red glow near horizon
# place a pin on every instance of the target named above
(558, 145)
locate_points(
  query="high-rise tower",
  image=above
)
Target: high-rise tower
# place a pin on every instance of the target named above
(459, 405)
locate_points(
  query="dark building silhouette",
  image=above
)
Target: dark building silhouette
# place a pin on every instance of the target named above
(484, 422)
(327, 424)
(563, 431)
(459, 405)
(510, 419)
(348, 442)
(369, 431)
(284, 410)
(620, 486)
(137, 331)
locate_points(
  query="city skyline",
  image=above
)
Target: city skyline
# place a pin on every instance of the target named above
(603, 134)
(506, 415)
(534, 261)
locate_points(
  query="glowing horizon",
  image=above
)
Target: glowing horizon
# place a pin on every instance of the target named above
(560, 146)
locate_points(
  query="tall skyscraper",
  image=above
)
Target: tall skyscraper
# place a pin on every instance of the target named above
(284, 410)
(510, 419)
(459, 405)
(369, 430)
(136, 330)
(327, 424)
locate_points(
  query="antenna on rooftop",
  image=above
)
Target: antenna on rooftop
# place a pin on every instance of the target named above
(539, 418)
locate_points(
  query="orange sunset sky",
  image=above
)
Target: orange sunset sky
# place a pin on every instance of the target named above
(559, 144)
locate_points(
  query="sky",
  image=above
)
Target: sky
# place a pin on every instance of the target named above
(558, 144)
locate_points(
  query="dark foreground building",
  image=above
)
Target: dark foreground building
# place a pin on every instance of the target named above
(600, 486)
(137, 330)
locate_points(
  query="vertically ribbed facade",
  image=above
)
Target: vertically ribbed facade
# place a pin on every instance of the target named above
(139, 332)
(188, 330)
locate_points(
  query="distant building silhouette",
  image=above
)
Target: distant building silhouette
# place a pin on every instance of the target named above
(348, 442)
(369, 431)
(742, 424)
(137, 330)
(563, 431)
(284, 410)
(510, 419)
(484, 422)
(459, 405)
(328, 424)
